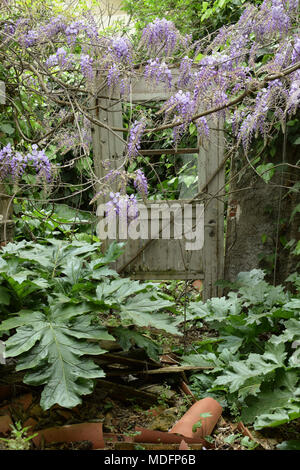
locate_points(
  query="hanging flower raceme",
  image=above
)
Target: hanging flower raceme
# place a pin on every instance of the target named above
(113, 76)
(14, 164)
(73, 30)
(161, 36)
(157, 71)
(270, 98)
(123, 206)
(185, 72)
(134, 141)
(30, 37)
(274, 21)
(140, 183)
(86, 64)
(296, 51)
(293, 100)
(202, 127)
(121, 49)
(182, 107)
(59, 58)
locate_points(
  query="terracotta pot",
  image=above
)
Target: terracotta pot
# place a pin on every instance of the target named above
(185, 425)
(183, 446)
(147, 435)
(5, 422)
(73, 433)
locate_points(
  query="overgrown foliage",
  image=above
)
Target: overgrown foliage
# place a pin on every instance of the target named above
(62, 299)
(254, 357)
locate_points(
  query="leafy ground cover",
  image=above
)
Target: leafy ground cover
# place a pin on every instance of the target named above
(69, 320)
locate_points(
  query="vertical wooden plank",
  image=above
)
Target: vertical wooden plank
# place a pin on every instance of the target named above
(210, 158)
(220, 201)
(2, 92)
(107, 145)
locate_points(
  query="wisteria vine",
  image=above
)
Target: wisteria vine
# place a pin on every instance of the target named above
(68, 62)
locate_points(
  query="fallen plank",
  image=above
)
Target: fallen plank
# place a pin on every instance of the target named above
(115, 358)
(125, 393)
(172, 369)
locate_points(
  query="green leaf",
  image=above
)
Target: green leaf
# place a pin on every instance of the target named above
(266, 171)
(127, 338)
(141, 310)
(230, 342)
(4, 296)
(25, 317)
(255, 367)
(52, 348)
(7, 129)
(118, 289)
(271, 409)
(289, 445)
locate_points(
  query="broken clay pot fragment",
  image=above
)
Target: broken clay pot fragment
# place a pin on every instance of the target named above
(73, 433)
(193, 417)
(5, 424)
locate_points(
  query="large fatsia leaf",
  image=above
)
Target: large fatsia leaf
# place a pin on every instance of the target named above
(252, 371)
(118, 290)
(142, 310)
(271, 409)
(216, 363)
(51, 349)
(127, 338)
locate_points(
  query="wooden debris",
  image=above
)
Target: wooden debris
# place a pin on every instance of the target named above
(172, 370)
(125, 393)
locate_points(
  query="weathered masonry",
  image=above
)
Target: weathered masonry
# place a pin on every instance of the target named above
(161, 259)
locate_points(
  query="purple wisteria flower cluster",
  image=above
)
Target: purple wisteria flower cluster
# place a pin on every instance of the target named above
(121, 49)
(162, 37)
(113, 76)
(185, 72)
(134, 140)
(157, 71)
(86, 64)
(13, 164)
(123, 206)
(182, 107)
(256, 122)
(31, 37)
(276, 19)
(140, 183)
(59, 58)
(48, 31)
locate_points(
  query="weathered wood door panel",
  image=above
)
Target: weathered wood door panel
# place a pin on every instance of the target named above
(163, 259)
